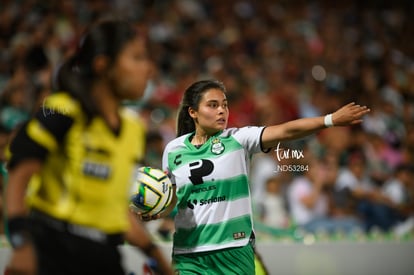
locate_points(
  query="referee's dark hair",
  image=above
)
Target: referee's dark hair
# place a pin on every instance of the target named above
(76, 75)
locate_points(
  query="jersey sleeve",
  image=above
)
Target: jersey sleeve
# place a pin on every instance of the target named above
(249, 137)
(165, 166)
(42, 134)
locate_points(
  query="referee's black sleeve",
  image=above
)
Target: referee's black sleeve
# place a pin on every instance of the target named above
(24, 147)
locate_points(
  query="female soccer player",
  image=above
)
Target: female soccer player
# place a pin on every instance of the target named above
(72, 163)
(209, 164)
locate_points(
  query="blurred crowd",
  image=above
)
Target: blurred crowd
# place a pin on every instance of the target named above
(280, 60)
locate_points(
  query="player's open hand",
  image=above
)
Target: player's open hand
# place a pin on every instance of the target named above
(349, 114)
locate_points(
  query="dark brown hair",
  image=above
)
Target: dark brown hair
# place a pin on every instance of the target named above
(192, 97)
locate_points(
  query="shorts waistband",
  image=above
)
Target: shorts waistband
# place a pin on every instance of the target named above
(82, 231)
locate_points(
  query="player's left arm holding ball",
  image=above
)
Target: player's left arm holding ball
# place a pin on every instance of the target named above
(139, 236)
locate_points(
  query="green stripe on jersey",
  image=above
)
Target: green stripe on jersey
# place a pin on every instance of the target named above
(212, 234)
(189, 153)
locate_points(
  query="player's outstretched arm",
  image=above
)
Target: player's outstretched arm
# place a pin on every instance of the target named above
(349, 114)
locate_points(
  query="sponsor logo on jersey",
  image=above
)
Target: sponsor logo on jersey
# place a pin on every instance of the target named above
(192, 203)
(177, 159)
(212, 200)
(203, 189)
(200, 169)
(97, 170)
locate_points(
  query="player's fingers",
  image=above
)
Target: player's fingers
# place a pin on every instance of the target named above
(146, 218)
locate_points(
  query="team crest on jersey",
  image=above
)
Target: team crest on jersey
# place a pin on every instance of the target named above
(217, 147)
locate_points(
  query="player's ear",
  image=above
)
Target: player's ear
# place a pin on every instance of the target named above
(192, 112)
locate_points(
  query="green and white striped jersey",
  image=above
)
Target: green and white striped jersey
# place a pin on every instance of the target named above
(214, 205)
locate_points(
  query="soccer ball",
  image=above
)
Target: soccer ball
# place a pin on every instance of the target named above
(152, 191)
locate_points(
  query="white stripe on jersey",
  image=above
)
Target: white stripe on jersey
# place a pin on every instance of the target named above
(202, 215)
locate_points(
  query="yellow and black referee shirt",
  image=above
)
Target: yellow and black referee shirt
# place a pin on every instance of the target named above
(87, 168)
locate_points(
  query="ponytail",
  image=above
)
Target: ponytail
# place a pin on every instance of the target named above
(70, 79)
(185, 123)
